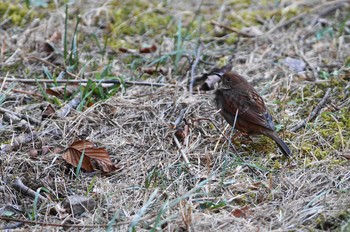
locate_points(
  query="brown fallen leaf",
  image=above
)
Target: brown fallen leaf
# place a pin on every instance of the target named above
(148, 49)
(242, 212)
(72, 156)
(33, 153)
(47, 47)
(127, 50)
(152, 70)
(48, 112)
(56, 37)
(346, 155)
(61, 91)
(182, 133)
(92, 154)
(45, 150)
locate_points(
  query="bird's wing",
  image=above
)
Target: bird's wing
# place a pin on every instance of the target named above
(251, 108)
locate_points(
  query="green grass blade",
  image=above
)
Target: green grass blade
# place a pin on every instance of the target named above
(65, 42)
(142, 211)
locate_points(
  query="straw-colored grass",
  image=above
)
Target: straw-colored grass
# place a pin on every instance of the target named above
(205, 182)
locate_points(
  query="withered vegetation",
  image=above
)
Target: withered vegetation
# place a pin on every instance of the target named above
(177, 166)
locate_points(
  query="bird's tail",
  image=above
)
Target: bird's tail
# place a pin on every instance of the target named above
(281, 144)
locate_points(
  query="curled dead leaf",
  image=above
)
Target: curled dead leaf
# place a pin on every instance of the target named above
(92, 156)
(56, 37)
(126, 50)
(182, 133)
(346, 155)
(61, 91)
(243, 212)
(152, 70)
(48, 112)
(148, 49)
(33, 153)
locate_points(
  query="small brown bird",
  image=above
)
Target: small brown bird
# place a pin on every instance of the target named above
(243, 108)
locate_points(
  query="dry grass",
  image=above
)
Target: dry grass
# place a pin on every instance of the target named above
(244, 186)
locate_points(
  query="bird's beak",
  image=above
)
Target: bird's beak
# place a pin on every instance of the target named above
(219, 74)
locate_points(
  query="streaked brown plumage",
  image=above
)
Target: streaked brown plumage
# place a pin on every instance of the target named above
(237, 96)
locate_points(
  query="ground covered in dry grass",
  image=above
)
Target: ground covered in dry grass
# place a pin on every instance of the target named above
(296, 54)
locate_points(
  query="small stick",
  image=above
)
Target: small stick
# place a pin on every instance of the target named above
(194, 65)
(290, 21)
(50, 224)
(230, 144)
(231, 29)
(179, 118)
(302, 55)
(72, 104)
(184, 156)
(65, 225)
(17, 142)
(22, 116)
(26, 92)
(313, 113)
(25, 190)
(51, 64)
(314, 72)
(112, 81)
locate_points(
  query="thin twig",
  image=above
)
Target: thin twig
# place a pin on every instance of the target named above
(26, 92)
(112, 81)
(66, 109)
(25, 190)
(326, 12)
(17, 142)
(314, 72)
(318, 7)
(50, 224)
(12, 57)
(22, 116)
(3, 83)
(184, 156)
(60, 225)
(301, 53)
(68, 225)
(231, 29)
(230, 144)
(53, 65)
(179, 118)
(313, 113)
(194, 65)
